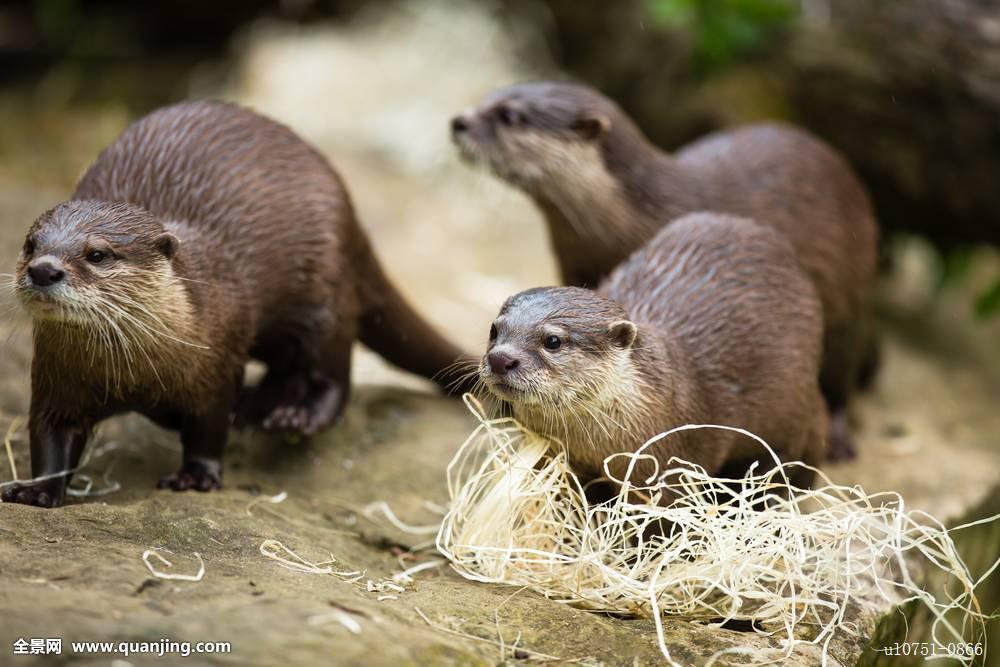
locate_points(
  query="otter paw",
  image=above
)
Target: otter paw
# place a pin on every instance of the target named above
(308, 417)
(840, 442)
(30, 494)
(196, 474)
(287, 418)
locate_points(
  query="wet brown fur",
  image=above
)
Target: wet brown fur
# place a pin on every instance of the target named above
(728, 331)
(605, 190)
(231, 239)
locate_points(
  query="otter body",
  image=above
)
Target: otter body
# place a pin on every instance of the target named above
(605, 190)
(204, 236)
(711, 322)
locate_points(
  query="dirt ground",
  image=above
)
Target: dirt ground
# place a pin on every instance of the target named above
(457, 245)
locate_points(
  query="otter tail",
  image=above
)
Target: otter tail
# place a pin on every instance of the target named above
(397, 333)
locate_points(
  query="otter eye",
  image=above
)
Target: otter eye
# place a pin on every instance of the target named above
(552, 343)
(508, 116)
(29, 247)
(96, 256)
(493, 332)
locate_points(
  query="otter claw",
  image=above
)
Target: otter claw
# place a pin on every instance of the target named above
(310, 416)
(288, 418)
(197, 475)
(29, 495)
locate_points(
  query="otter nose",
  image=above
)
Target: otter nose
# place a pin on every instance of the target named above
(45, 272)
(501, 363)
(459, 124)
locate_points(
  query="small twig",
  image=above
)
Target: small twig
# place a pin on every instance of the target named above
(407, 575)
(273, 548)
(14, 424)
(342, 617)
(274, 500)
(381, 506)
(167, 575)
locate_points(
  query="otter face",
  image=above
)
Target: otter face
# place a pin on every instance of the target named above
(84, 259)
(556, 347)
(531, 132)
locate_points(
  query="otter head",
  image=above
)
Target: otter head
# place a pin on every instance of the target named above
(530, 133)
(557, 349)
(88, 262)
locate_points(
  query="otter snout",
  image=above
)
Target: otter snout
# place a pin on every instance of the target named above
(502, 363)
(471, 127)
(460, 124)
(46, 271)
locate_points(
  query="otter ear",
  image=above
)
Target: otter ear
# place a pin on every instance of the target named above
(591, 127)
(168, 244)
(623, 333)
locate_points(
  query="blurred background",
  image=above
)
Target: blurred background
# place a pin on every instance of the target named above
(908, 91)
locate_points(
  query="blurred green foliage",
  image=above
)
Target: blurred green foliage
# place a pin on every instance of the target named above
(988, 302)
(724, 31)
(75, 31)
(955, 267)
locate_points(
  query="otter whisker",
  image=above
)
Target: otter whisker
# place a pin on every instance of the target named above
(118, 344)
(493, 404)
(99, 339)
(151, 365)
(141, 328)
(597, 420)
(156, 274)
(145, 327)
(10, 312)
(458, 363)
(472, 366)
(462, 379)
(14, 330)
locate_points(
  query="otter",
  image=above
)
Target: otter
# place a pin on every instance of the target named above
(204, 236)
(604, 190)
(711, 322)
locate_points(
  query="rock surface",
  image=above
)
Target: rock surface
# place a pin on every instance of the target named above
(77, 572)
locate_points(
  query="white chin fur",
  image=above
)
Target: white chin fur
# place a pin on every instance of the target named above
(53, 307)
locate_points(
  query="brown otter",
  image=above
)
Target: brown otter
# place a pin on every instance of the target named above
(204, 236)
(605, 190)
(712, 321)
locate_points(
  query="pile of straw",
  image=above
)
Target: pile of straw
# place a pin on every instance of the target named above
(758, 549)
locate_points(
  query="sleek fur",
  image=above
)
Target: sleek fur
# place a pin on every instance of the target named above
(221, 236)
(711, 322)
(605, 190)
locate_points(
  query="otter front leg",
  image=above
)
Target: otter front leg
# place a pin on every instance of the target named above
(203, 437)
(55, 448)
(843, 347)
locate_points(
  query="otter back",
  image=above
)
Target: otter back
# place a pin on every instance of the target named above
(743, 324)
(711, 322)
